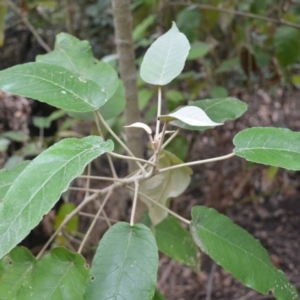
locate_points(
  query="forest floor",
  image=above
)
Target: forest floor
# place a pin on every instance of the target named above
(263, 200)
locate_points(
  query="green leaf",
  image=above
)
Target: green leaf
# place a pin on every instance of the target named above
(277, 147)
(165, 185)
(13, 161)
(140, 30)
(15, 271)
(191, 116)
(165, 58)
(218, 110)
(54, 85)
(125, 264)
(59, 275)
(77, 56)
(239, 253)
(4, 143)
(158, 296)
(218, 92)
(41, 122)
(198, 50)
(8, 177)
(287, 45)
(35, 191)
(112, 108)
(15, 136)
(176, 242)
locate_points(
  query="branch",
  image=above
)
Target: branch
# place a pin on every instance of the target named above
(135, 197)
(29, 26)
(198, 162)
(237, 13)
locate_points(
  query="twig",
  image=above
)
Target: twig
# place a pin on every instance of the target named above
(86, 236)
(135, 197)
(158, 113)
(100, 178)
(210, 281)
(118, 139)
(161, 206)
(29, 26)
(235, 12)
(111, 164)
(131, 158)
(193, 163)
(93, 216)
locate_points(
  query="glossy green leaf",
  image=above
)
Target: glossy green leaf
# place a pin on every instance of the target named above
(165, 58)
(176, 242)
(270, 146)
(8, 177)
(218, 110)
(191, 116)
(287, 45)
(15, 271)
(239, 253)
(59, 275)
(54, 85)
(125, 265)
(77, 56)
(35, 191)
(165, 185)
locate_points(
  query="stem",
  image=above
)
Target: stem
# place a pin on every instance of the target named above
(132, 158)
(135, 197)
(237, 13)
(100, 218)
(110, 162)
(118, 139)
(29, 26)
(198, 162)
(163, 207)
(86, 236)
(100, 178)
(168, 141)
(158, 113)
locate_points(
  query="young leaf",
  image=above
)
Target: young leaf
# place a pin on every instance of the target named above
(125, 264)
(239, 253)
(165, 185)
(270, 146)
(190, 115)
(77, 56)
(15, 271)
(142, 126)
(287, 45)
(59, 275)
(54, 85)
(35, 191)
(176, 242)
(165, 58)
(8, 177)
(198, 49)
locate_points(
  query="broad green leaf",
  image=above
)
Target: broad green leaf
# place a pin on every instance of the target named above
(218, 92)
(190, 115)
(15, 136)
(287, 45)
(198, 50)
(59, 275)
(218, 110)
(13, 161)
(77, 56)
(176, 242)
(239, 253)
(125, 264)
(165, 185)
(54, 85)
(35, 191)
(15, 271)
(165, 58)
(112, 108)
(8, 177)
(270, 146)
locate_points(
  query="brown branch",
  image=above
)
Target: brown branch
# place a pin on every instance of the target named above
(29, 26)
(237, 13)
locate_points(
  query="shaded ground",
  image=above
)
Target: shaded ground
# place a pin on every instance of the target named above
(264, 204)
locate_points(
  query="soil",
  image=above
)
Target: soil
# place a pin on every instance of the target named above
(263, 200)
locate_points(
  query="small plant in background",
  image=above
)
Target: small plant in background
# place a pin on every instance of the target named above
(126, 261)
